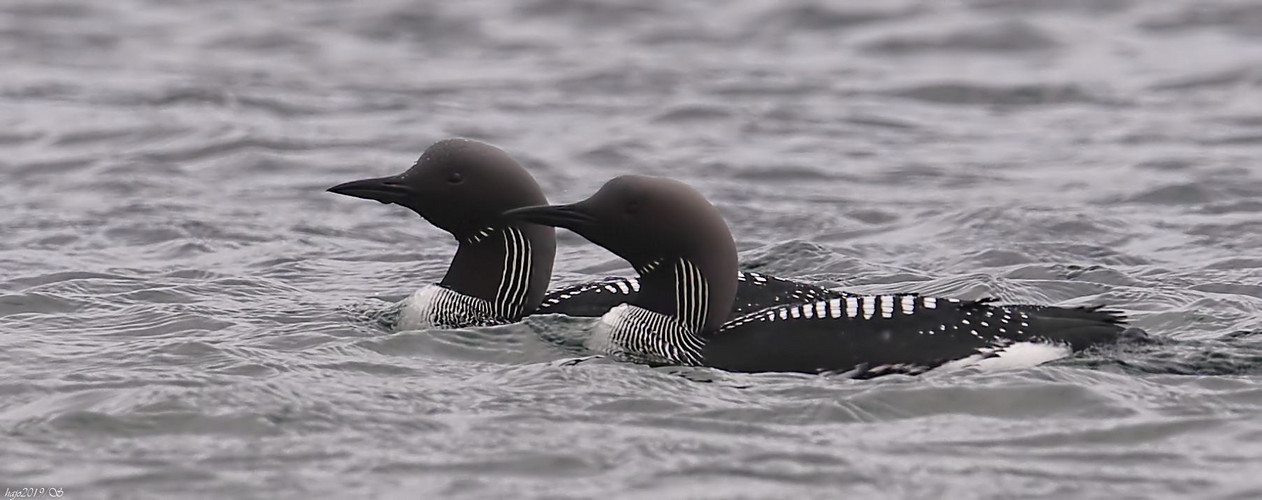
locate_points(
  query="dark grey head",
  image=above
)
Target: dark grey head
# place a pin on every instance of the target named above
(463, 187)
(460, 185)
(653, 223)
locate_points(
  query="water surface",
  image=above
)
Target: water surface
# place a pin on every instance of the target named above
(185, 312)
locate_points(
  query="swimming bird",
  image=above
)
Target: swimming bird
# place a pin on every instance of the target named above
(501, 269)
(685, 256)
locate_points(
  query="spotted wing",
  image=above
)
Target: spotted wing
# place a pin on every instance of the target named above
(877, 334)
(591, 299)
(755, 291)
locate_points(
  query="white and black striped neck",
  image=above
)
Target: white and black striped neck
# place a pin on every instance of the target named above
(678, 289)
(507, 266)
(639, 334)
(674, 238)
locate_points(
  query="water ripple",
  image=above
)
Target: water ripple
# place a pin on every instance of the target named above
(187, 313)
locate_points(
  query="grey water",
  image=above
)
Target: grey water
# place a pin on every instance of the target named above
(185, 313)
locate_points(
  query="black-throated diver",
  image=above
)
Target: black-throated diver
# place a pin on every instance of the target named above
(501, 269)
(686, 258)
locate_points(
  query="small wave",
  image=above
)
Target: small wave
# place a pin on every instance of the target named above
(791, 17)
(1010, 37)
(1034, 94)
(1082, 7)
(591, 12)
(694, 113)
(1238, 355)
(1247, 76)
(1240, 18)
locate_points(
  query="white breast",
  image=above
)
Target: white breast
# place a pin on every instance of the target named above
(417, 311)
(645, 336)
(438, 307)
(601, 339)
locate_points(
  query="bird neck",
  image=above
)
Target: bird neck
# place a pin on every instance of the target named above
(508, 266)
(682, 290)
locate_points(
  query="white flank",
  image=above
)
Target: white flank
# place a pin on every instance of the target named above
(1016, 356)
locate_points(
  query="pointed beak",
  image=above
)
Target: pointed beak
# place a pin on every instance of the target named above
(571, 217)
(383, 189)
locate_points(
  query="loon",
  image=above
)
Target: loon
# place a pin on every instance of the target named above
(685, 256)
(502, 268)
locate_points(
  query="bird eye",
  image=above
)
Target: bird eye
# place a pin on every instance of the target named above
(632, 207)
(455, 178)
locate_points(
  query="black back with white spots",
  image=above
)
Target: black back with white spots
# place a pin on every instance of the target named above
(879, 334)
(754, 291)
